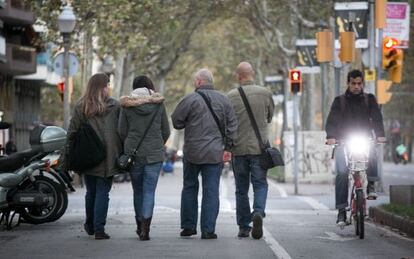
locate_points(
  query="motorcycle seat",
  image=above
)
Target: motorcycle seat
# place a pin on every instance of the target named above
(9, 180)
(16, 160)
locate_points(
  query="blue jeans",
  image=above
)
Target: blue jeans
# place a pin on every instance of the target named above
(144, 179)
(341, 179)
(247, 169)
(210, 174)
(96, 201)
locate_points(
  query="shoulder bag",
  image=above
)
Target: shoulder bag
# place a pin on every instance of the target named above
(227, 141)
(271, 156)
(86, 150)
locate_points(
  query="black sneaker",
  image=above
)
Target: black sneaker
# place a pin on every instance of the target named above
(341, 221)
(187, 232)
(371, 194)
(244, 232)
(101, 236)
(257, 230)
(206, 235)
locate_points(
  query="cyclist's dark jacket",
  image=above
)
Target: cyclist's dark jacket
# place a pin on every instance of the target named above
(359, 113)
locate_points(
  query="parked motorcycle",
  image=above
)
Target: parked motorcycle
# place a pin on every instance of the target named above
(29, 186)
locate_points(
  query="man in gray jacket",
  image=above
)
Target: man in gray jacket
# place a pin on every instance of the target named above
(246, 151)
(203, 151)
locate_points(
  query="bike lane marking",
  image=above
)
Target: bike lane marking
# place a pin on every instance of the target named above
(315, 204)
(279, 188)
(277, 249)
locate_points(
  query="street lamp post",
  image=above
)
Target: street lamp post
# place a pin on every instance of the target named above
(66, 23)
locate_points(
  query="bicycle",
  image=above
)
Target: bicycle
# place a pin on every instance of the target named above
(357, 158)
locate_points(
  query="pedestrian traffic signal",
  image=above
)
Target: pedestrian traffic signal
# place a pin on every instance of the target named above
(392, 59)
(295, 81)
(61, 89)
(347, 51)
(383, 95)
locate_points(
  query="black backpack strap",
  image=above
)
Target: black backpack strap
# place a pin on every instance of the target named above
(216, 119)
(147, 129)
(251, 117)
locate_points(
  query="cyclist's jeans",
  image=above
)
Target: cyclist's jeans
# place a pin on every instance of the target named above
(341, 181)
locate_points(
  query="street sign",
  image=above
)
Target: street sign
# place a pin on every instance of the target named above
(370, 75)
(306, 60)
(398, 22)
(359, 26)
(73, 64)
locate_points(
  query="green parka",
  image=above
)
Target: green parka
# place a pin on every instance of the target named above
(136, 113)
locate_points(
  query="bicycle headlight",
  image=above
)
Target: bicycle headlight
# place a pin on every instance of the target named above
(358, 145)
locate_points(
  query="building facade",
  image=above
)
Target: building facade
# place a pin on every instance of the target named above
(19, 98)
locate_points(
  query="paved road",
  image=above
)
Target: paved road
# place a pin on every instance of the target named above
(398, 174)
(295, 227)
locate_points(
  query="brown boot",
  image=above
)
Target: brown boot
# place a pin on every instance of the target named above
(146, 223)
(139, 223)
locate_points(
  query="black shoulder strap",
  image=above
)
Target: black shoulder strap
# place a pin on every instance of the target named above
(147, 129)
(212, 112)
(251, 117)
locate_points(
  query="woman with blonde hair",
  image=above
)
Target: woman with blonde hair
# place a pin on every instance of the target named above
(101, 112)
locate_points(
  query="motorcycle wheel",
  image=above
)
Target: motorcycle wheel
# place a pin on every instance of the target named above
(63, 204)
(39, 215)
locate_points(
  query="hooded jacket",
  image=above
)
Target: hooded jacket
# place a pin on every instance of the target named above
(136, 113)
(359, 113)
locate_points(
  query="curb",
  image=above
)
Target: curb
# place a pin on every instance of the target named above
(381, 216)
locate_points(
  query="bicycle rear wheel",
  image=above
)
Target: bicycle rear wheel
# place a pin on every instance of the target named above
(360, 217)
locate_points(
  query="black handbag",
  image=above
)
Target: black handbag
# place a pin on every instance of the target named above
(271, 156)
(126, 161)
(86, 149)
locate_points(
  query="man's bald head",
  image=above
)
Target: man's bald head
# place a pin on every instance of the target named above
(245, 72)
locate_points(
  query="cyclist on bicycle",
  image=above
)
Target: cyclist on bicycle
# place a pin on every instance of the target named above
(353, 111)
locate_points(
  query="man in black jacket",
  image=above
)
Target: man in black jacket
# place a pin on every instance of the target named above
(353, 112)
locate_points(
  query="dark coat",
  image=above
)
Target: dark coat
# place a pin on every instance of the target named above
(136, 114)
(359, 113)
(105, 126)
(203, 142)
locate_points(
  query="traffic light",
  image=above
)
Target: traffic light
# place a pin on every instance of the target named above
(347, 51)
(61, 89)
(324, 46)
(392, 59)
(383, 95)
(295, 81)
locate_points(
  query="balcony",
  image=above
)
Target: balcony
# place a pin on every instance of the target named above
(20, 60)
(17, 12)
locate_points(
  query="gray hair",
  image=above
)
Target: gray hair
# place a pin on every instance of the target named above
(205, 75)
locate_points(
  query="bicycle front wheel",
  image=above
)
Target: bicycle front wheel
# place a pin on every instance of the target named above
(360, 217)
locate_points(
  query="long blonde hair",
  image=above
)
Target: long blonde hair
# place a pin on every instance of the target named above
(94, 99)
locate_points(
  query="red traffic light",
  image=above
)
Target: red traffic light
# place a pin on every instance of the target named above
(61, 87)
(295, 76)
(390, 43)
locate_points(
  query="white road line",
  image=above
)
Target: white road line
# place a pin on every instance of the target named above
(277, 249)
(279, 188)
(225, 203)
(315, 204)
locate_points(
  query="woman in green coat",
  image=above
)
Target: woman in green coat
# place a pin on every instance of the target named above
(102, 113)
(143, 121)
